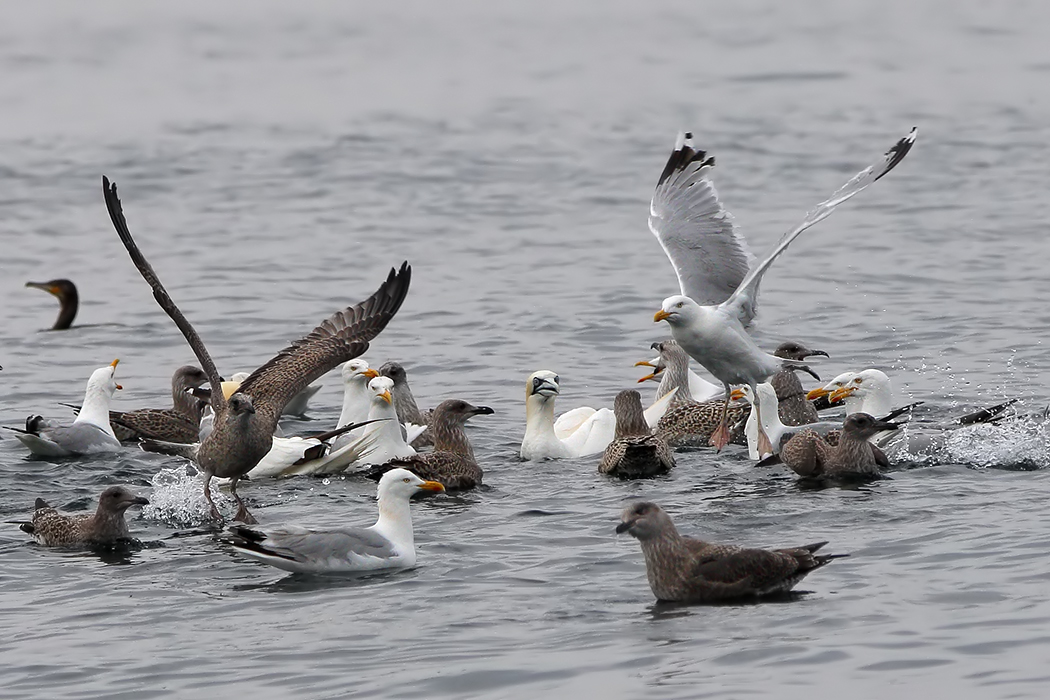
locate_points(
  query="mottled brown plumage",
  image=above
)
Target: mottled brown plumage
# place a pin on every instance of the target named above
(812, 456)
(452, 462)
(105, 526)
(244, 424)
(634, 452)
(793, 406)
(691, 424)
(405, 404)
(180, 423)
(687, 570)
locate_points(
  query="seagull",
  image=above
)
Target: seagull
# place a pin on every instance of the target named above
(719, 292)
(635, 451)
(244, 423)
(90, 432)
(794, 408)
(672, 369)
(389, 544)
(687, 570)
(389, 442)
(107, 525)
(68, 300)
(356, 399)
(772, 426)
(414, 421)
(809, 454)
(179, 423)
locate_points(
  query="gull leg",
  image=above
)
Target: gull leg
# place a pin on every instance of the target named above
(242, 510)
(765, 447)
(215, 514)
(720, 438)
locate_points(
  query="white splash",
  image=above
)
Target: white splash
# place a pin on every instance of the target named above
(1019, 443)
(178, 499)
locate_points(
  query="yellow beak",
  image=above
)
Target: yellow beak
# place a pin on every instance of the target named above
(841, 393)
(647, 378)
(431, 486)
(660, 315)
(387, 397)
(817, 394)
(370, 373)
(643, 363)
(113, 364)
(736, 395)
(228, 389)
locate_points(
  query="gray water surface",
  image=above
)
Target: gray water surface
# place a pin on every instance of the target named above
(276, 159)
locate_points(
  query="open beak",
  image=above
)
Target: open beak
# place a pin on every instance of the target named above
(818, 393)
(660, 316)
(645, 363)
(370, 373)
(737, 395)
(431, 486)
(624, 526)
(841, 393)
(386, 396)
(808, 370)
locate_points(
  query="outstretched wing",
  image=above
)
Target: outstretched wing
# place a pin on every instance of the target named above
(116, 214)
(709, 255)
(343, 336)
(742, 302)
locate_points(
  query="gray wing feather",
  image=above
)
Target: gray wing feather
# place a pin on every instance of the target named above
(81, 438)
(318, 547)
(696, 232)
(742, 302)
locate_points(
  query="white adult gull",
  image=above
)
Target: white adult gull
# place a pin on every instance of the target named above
(389, 544)
(718, 300)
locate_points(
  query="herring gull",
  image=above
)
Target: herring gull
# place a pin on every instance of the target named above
(68, 300)
(635, 451)
(105, 526)
(244, 424)
(699, 389)
(90, 432)
(180, 423)
(771, 425)
(413, 420)
(702, 243)
(687, 570)
(388, 544)
(794, 407)
(810, 455)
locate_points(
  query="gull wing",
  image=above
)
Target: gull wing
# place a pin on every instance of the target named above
(305, 550)
(742, 303)
(707, 251)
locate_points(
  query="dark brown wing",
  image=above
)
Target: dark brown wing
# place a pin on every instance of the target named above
(116, 214)
(343, 336)
(157, 424)
(453, 471)
(760, 568)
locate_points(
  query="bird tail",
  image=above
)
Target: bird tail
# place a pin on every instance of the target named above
(992, 414)
(175, 449)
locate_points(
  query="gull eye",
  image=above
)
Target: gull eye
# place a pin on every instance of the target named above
(679, 305)
(406, 480)
(858, 380)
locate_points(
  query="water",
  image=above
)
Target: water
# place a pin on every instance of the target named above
(274, 160)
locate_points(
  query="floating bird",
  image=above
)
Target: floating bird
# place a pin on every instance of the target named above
(635, 451)
(690, 424)
(586, 432)
(180, 423)
(452, 463)
(687, 570)
(794, 407)
(90, 432)
(389, 440)
(690, 385)
(388, 544)
(107, 525)
(702, 243)
(810, 455)
(244, 423)
(772, 426)
(356, 398)
(68, 300)
(411, 418)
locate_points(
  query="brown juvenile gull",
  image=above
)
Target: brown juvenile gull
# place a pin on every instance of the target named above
(810, 455)
(687, 570)
(68, 300)
(179, 423)
(699, 388)
(794, 408)
(53, 529)
(635, 451)
(244, 423)
(692, 424)
(452, 462)
(408, 413)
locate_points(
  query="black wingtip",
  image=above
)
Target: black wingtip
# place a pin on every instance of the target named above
(900, 149)
(682, 155)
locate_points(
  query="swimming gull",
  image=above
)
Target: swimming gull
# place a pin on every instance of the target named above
(413, 420)
(794, 407)
(699, 389)
(635, 451)
(701, 241)
(68, 300)
(687, 570)
(772, 426)
(810, 455)
(585, 432)
(691, 423)
(452, 463)
(356, 398)
(90, 432)
(385, 431)
(244, 424)
(180, 423)
(53, 529)
(388, 544)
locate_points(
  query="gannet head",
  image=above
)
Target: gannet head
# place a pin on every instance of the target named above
(103, 381)
(380, 387)
(357, 370)
(403, 484)
(543, 384)
(677, 310)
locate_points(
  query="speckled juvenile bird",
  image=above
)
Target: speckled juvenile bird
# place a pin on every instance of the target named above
(244, 424)
(452, 463)
(793, 405)
(635, 451)
(107, 525)
(687, 570)
(180, 423)
(408, 413)
(810, 455)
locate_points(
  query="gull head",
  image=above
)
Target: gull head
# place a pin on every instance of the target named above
(860, 385)
(543, 384)
(458, 411)
(403, 484)
(862, 426)
(395, 371)
(241, 405)
(117, 499)
(380, 389)
(103, 380)
(837, 383)
(357, 371)
(678, 310)
(189, 377)
(645, 521)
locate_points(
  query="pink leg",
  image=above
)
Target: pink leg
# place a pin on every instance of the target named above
(242, 510)
(720, 438)
(215, 514)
